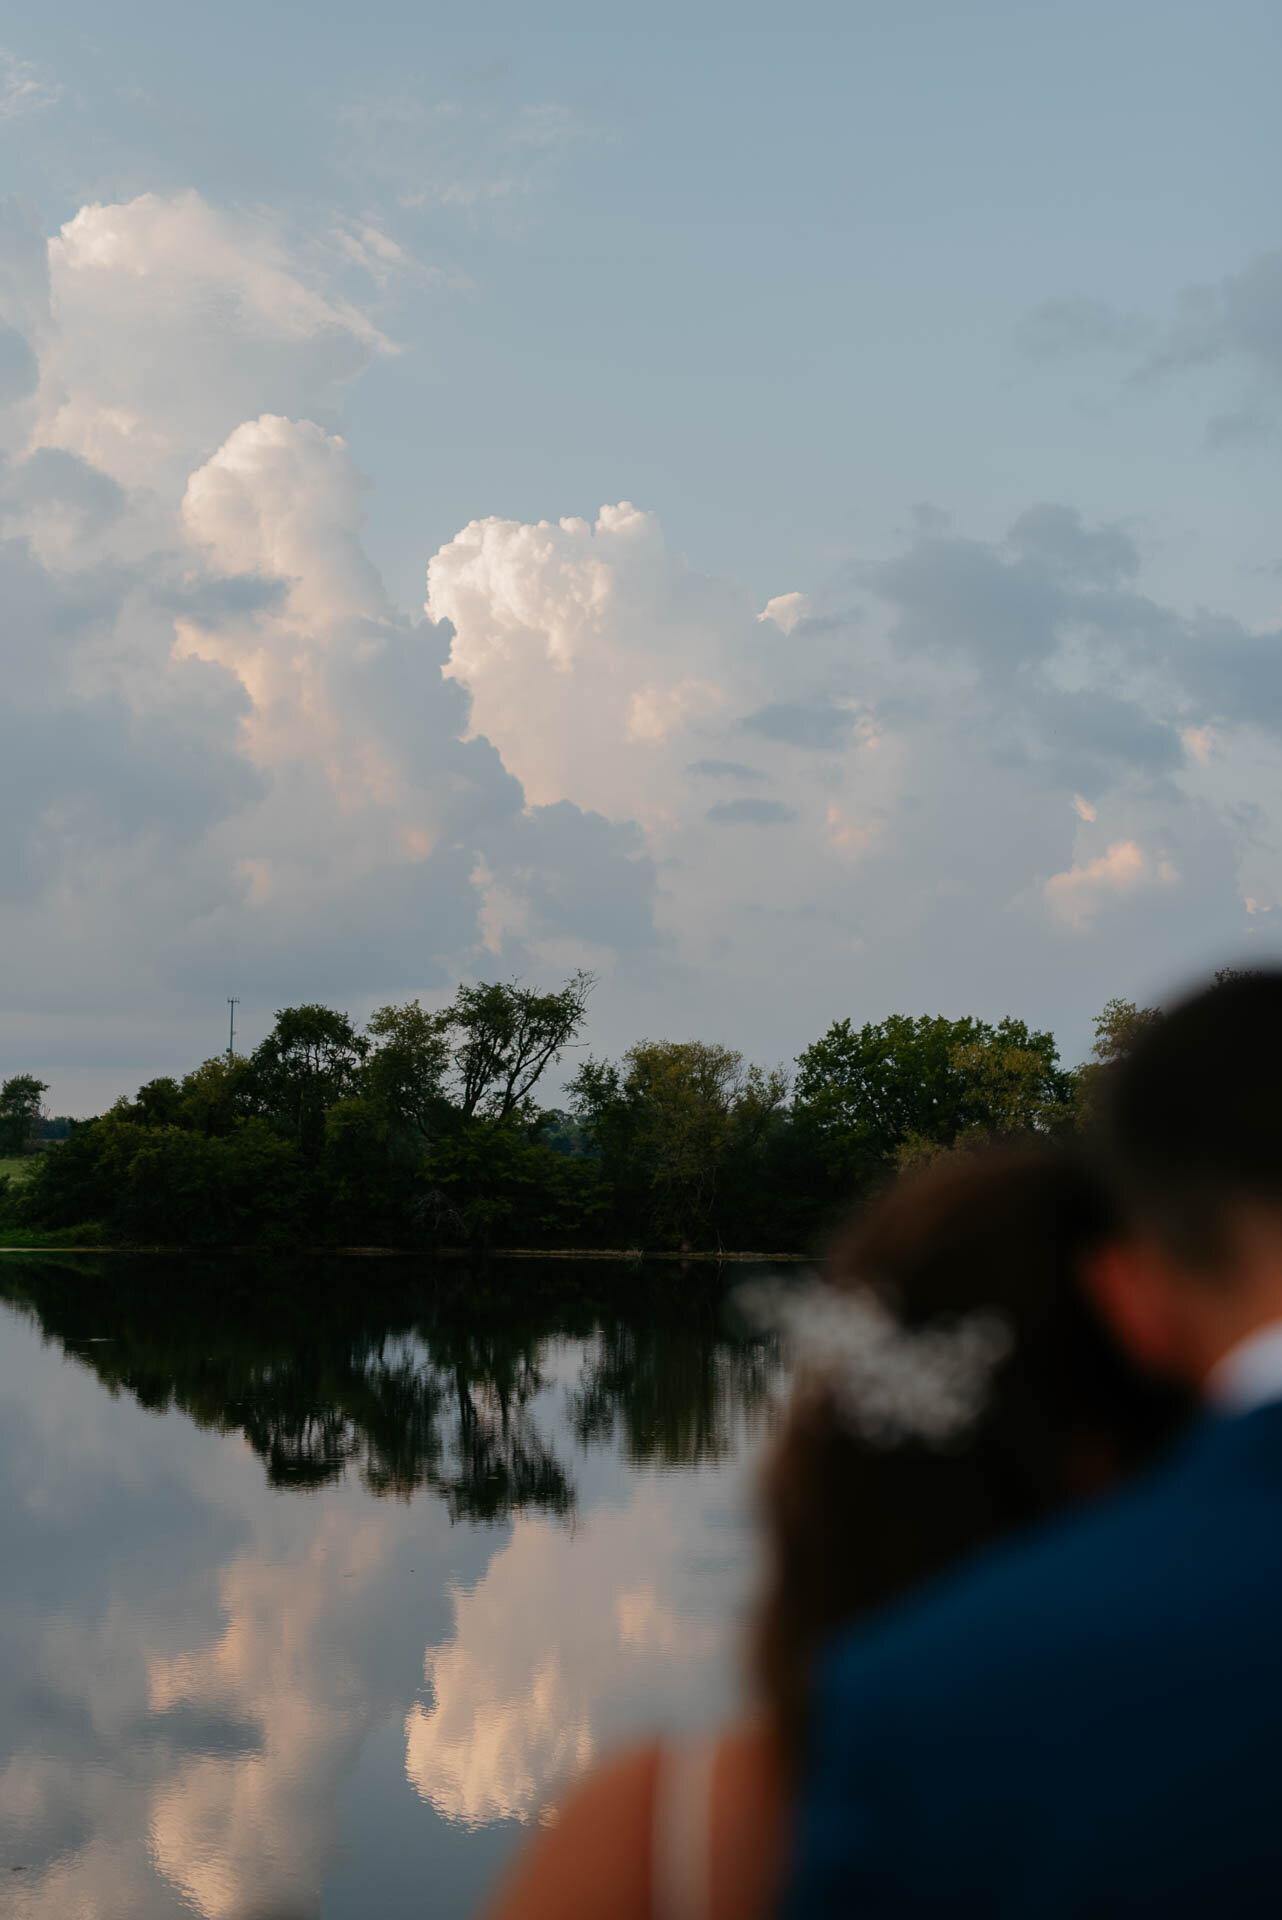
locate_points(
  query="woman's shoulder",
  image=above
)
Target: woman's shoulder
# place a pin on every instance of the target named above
(594, 1858)
(749, 1823)
(598, 1857)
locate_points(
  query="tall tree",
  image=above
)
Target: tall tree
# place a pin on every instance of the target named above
(21, 1111)
(1013, 1080)
(220, 1092)
(508, 1036)
(405, 1075)
(157, 1103)
(669, 1120)
(1118, 1026)
(310, 1060)
(870, 1096)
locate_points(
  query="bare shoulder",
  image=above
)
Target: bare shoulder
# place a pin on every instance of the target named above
(750, 1825)
(596, 1859)
(596, 1862)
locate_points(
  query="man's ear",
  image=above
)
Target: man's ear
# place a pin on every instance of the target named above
(1129, 1287)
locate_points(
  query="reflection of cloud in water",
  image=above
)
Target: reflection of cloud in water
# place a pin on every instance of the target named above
(478, 1759)
(191, 1700)
(550, 1650)
(204, 1779)
(105, 1874)
(644, 1623)
(231, 1832)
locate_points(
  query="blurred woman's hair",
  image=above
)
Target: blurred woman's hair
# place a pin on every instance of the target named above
(855, 1520)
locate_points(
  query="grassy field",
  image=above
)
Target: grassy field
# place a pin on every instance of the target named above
(18, 1169)
(86, 1239)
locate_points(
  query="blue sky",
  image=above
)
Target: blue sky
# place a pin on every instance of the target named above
(837, 298)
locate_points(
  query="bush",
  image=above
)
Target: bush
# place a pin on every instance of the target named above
(501, 1186)
(164, 1183)
(210, 1189)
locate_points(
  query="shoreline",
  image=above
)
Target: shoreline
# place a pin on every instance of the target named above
(632, 1256)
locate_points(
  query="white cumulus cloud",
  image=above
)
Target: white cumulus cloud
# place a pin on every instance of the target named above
(787, 610)
(174, 321)
(1078, 894)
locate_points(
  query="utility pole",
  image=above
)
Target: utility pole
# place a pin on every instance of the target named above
(232, 1004)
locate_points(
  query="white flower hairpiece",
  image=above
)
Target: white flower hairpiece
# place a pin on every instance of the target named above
(889, 1383)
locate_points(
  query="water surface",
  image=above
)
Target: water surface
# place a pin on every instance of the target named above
(317, 1580)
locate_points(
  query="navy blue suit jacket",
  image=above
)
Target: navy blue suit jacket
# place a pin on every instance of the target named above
(1087, 1724)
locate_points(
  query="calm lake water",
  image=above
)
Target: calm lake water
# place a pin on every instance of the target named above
(315, 1581)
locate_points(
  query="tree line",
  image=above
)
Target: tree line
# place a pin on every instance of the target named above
(424, 1128)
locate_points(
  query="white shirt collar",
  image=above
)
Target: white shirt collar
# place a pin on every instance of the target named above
(1249, 1375)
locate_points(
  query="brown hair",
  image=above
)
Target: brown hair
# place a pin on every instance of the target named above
(852, 1525)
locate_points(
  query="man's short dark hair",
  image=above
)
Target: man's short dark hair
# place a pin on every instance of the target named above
(1191, 1127)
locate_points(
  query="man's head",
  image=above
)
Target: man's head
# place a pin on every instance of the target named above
(1191, 1133)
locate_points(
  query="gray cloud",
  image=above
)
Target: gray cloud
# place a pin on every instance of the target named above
(1057, 539)
(1086, 737)
(219, 602)
(19, 368)
(580, 875)
(50, 476)
(724, 770)
(385, 932)
(751, 813)
(1070, 326)
(1055, 585)
(819, 723)
(1251, 425)
(1240, 317)
(82, 769)
(1227, 672)
(1237, 322)
(959, 599)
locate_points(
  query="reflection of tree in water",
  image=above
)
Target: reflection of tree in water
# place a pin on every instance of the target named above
(427, 1383)
(674, 1392)
(503, 1460)
(317, 1412)
(459, 1425)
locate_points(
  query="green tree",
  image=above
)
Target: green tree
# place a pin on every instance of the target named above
(508, 1036)
(312, 1058)
(861, 1093)
(906, 1087)
(669, 1122)
(21, 1112)
(157, 1103)
(1118, 1026)
(74, 1184)
(207, 1189)
(1014, 1082)
(496, 1184)
(405, 1075)
(218, 1093)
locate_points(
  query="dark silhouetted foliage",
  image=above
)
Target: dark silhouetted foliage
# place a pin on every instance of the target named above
(423, 1129)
